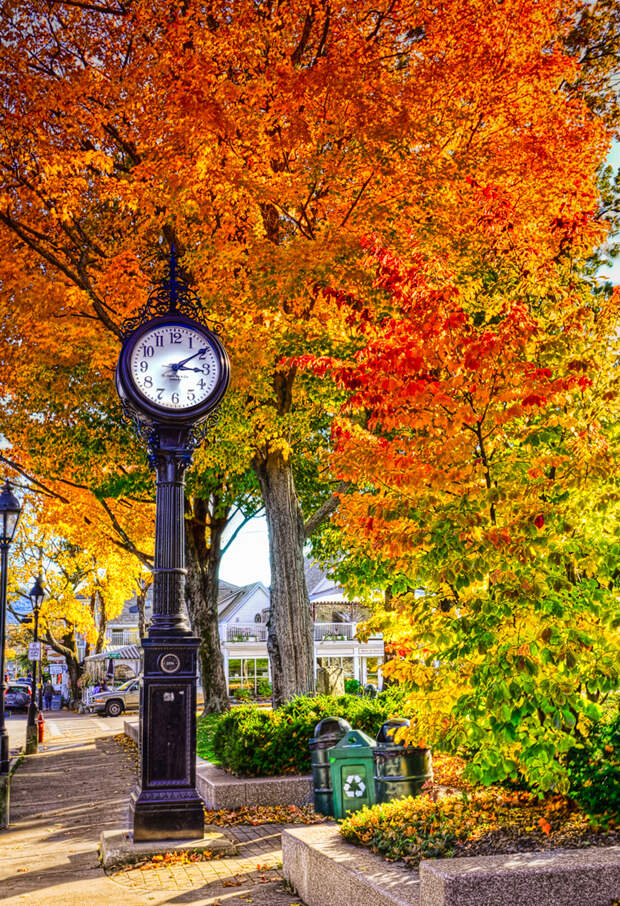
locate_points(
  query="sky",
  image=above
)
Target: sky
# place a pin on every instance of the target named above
(247, 559)
(614, 159)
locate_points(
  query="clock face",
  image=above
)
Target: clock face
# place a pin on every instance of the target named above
(175, 366)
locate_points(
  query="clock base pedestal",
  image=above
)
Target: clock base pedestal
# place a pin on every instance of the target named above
(165, 805)
(166, 819)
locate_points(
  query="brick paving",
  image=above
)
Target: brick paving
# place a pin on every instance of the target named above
(258, 863)
(61, 800)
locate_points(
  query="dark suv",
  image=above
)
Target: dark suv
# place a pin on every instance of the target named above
(17, 697)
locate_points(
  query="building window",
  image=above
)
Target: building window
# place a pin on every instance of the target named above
(247, 673)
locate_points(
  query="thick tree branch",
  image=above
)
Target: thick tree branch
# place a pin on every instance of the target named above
(34, 481)
(328, 507)
(78, 278)
(238, 529)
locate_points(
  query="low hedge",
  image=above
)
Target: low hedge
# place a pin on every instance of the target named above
(253, 742)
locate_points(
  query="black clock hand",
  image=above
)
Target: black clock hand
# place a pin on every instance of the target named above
(183, 361)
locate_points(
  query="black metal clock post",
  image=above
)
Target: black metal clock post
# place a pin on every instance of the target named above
(165, 804)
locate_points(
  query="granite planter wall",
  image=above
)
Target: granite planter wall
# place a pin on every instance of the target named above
(325, 870)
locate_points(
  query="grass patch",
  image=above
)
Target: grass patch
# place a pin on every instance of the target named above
(205, 731)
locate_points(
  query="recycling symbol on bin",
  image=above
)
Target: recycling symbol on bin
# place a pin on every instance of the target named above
(354, 786)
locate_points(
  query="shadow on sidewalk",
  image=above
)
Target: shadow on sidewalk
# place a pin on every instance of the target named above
(61, 800)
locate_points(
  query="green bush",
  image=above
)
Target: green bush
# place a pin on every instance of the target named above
(243, 736)
(257, 743)
(353, 687)
(594, 771)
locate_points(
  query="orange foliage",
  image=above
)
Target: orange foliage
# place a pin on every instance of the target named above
(266, 138)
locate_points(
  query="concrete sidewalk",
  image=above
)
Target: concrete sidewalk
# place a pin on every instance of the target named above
(63, 798)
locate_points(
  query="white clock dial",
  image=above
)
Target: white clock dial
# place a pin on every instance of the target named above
(174, 366)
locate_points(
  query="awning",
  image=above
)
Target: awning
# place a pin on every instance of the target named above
(121, 652)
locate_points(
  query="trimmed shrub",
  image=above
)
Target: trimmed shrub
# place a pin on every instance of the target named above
(252, 742)
(594, 771)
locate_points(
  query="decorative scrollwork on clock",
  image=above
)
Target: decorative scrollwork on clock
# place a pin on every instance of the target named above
(172, 296)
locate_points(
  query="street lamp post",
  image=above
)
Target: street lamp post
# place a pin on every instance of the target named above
(10, 509)
(36, 595)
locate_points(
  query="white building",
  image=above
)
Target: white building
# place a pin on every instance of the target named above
(243, 614)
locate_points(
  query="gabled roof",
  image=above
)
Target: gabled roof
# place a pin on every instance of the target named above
(320, 586)
(129, 614)
(232, 597)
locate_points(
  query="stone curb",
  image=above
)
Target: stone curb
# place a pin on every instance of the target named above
(15, 761)
(221, 790)
(325, 870)
(552, 878)
(117, 847)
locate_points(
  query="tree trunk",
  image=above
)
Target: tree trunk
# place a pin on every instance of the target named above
(103, 622)
(68, 648)
(290, 639)
(141, 595)
(203, 540)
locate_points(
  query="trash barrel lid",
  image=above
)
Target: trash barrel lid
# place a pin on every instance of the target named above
(388, 730)
(332, 726)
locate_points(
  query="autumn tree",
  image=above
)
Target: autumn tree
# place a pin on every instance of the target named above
(84, 587)
(266, 138)
(481, 431)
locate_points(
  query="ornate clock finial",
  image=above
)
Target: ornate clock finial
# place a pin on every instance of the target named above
(172, 278)
(172, 296)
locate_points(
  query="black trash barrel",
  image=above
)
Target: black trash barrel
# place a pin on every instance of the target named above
(327, 733)
(400, 770)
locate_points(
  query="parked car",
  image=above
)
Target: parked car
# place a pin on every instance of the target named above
(17, 697)
(114, 701)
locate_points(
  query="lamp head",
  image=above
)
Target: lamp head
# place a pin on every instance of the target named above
(36, 594)
(10, 509)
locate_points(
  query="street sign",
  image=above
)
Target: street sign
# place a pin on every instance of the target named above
(34, 651)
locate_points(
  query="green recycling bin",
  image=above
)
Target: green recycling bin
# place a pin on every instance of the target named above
(351, 764)
(327, 733)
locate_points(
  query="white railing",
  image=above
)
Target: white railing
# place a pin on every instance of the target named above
(327, 632)
(246, 632)
(257, 632)
(118, 637)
